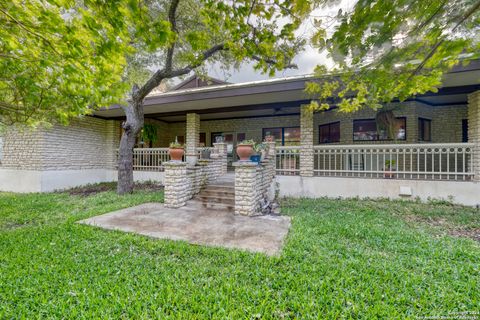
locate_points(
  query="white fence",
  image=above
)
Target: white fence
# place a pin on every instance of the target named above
(433, 161)
(149, 159)
(287, 160)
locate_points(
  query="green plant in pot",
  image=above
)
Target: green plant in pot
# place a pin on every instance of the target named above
(150, 133)
(176, 151)
(261, 150)
(245, 149)
(389, 169)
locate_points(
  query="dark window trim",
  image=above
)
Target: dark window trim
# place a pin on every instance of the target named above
(373, 119)
(425, 119)
(283, 132)
(465, 130)
(329, 124)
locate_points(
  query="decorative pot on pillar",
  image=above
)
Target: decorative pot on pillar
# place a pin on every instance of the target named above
(176, 154)
(244, 151)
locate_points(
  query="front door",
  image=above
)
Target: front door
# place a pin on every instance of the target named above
(231, 139)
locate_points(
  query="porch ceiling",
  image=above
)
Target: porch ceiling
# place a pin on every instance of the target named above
(276, 97)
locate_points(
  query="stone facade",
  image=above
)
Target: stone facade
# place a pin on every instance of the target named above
(192, 136)
(306, 141)
(474, 130)
(446, 123)
(253, 182)
(87, 143)
(177, 185)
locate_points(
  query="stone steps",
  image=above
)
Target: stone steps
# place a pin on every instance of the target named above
(217, 195)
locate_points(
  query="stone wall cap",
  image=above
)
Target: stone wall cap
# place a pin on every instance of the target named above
(247, 163)
(174, 163)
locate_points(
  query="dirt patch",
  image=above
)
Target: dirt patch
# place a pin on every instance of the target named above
(92, 189)
(444, 225)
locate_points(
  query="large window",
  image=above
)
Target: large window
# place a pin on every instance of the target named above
(366, 130)
(288, 136)
(329, 133)
(424, 129)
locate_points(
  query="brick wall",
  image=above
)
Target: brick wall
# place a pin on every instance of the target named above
(87, 143)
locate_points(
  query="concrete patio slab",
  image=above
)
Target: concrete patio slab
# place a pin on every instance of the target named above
(199, 226)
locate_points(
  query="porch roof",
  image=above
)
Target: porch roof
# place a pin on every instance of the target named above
(280, 96)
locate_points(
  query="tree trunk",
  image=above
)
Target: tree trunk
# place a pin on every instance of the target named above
(131, 128)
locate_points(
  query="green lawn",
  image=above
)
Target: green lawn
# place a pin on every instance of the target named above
(342, 259)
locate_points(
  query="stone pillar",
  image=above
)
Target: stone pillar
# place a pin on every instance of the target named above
(474, 131)
(306, 141)
(246, 195)
(177, 189)
(221, 149)
(271, 148)
(192, 138)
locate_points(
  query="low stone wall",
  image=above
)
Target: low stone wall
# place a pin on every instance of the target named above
(183, 181)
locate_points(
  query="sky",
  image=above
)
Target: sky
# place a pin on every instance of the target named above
(306, 60)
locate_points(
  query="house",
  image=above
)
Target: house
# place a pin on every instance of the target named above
(435, 153)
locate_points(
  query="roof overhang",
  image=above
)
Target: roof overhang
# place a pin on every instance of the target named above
(275, 97)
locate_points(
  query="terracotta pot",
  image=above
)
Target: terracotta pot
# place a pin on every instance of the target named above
(244, 151)
(176, 154)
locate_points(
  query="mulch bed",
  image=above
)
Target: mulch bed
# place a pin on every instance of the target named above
(92, 189)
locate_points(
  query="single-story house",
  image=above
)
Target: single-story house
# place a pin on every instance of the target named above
(436, 153)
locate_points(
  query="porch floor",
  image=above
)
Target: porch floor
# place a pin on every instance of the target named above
(199, 226)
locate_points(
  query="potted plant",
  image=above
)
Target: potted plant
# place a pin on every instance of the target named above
(205, 153)
(259, 152)
(176, 151)
(245, 149)
(269, 137)
(389, 169)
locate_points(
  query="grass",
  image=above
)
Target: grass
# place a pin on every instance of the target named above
(342, 259)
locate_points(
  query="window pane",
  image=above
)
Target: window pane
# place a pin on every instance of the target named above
(202, 139)
(291, 136)
(465, 130)
(240, 137)
(401, 128)
(276, 132)
(424, 129)
(364, 130)
(329, 133)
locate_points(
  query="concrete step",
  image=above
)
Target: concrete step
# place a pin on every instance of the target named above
(217, 193)
(216, 199)
(211, 206)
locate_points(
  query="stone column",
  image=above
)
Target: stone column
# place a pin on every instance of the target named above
(192, 138)
(474, 131)
(176, 183)
(306, 141)
(246, 196)
(221, 149)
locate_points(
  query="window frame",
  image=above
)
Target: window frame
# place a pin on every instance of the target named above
(422, 119)
(329, 125)
(264, 130)
(378, 139)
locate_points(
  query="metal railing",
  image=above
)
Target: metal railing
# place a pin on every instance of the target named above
(288, 160)
(149, 159)
(432, 161)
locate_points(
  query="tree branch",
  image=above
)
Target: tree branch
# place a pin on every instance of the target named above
(173, 22)
(273, 62)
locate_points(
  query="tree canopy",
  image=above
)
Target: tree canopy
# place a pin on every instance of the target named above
(388, 50)
(60, 58)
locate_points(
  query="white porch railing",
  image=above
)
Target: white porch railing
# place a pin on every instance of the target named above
(432, 161)
(149, 159)
(288, 160)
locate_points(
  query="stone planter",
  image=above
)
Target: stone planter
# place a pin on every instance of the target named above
(176, 154)
(244, 151)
